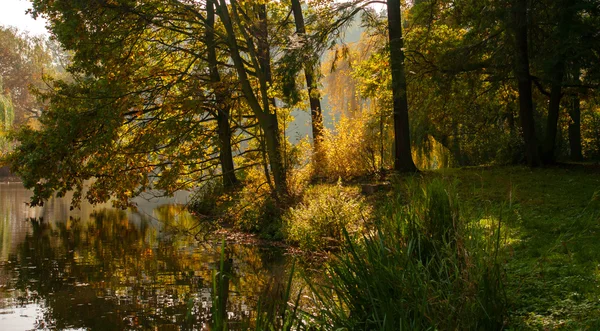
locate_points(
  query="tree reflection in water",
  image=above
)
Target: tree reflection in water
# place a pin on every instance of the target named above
(115, 271)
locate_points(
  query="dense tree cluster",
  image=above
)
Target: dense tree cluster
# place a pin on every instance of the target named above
(491, 81)
(166, 94)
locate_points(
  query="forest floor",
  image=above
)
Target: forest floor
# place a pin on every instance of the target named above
(551, 238)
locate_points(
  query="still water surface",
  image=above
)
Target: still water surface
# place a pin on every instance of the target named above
(107, 269)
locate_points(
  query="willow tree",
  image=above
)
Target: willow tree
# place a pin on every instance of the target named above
(7, 112)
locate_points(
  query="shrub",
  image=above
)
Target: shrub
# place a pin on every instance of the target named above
(353, 149)
(325, 210)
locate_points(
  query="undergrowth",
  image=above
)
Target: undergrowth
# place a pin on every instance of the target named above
(422, 266)
(318, 221)
(448, 261)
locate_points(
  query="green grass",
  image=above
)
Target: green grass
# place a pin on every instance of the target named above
(552, 245)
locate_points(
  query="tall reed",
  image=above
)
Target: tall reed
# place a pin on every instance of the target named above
(422, 267)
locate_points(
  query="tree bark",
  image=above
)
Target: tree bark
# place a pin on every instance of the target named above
(575, 124)
(403, 161)
(316, 115)
(521, 69)
(223, 108)
(549, 146)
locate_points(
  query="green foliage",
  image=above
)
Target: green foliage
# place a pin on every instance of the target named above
(7, 113)
(319, 220)
(422, 267)
(7, 117)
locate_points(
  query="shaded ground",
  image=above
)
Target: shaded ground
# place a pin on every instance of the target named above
(552, 239)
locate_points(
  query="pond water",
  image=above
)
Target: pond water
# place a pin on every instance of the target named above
(107, 269)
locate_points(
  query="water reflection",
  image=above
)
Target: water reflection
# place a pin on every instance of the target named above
(111, 269)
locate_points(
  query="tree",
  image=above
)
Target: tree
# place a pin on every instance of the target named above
(156, 118)
(311, 84)
(139, 113)
(261, 104)
(24, 60)
(520, 30)
(223, 108)
(403, 155)
(568, 52)
(7, 114)
(7, 117)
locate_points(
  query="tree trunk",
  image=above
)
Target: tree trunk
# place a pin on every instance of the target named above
(565, 17)
(271, 129)
(575, 124)
(521, 69)
(548, 149)
(272, 139)
(316, 115)
(403, 161)
(266, 120)
(223, 109)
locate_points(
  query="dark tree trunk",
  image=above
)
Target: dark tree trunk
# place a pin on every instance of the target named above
(223, 109)
(575, 129)
(565, 17)
(521, 69)
(575, 124)
(548, 149)
(316, 115)
(403, 161)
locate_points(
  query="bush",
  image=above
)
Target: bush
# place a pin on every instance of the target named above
(421, 268)
(318, 221)
(353, 149)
